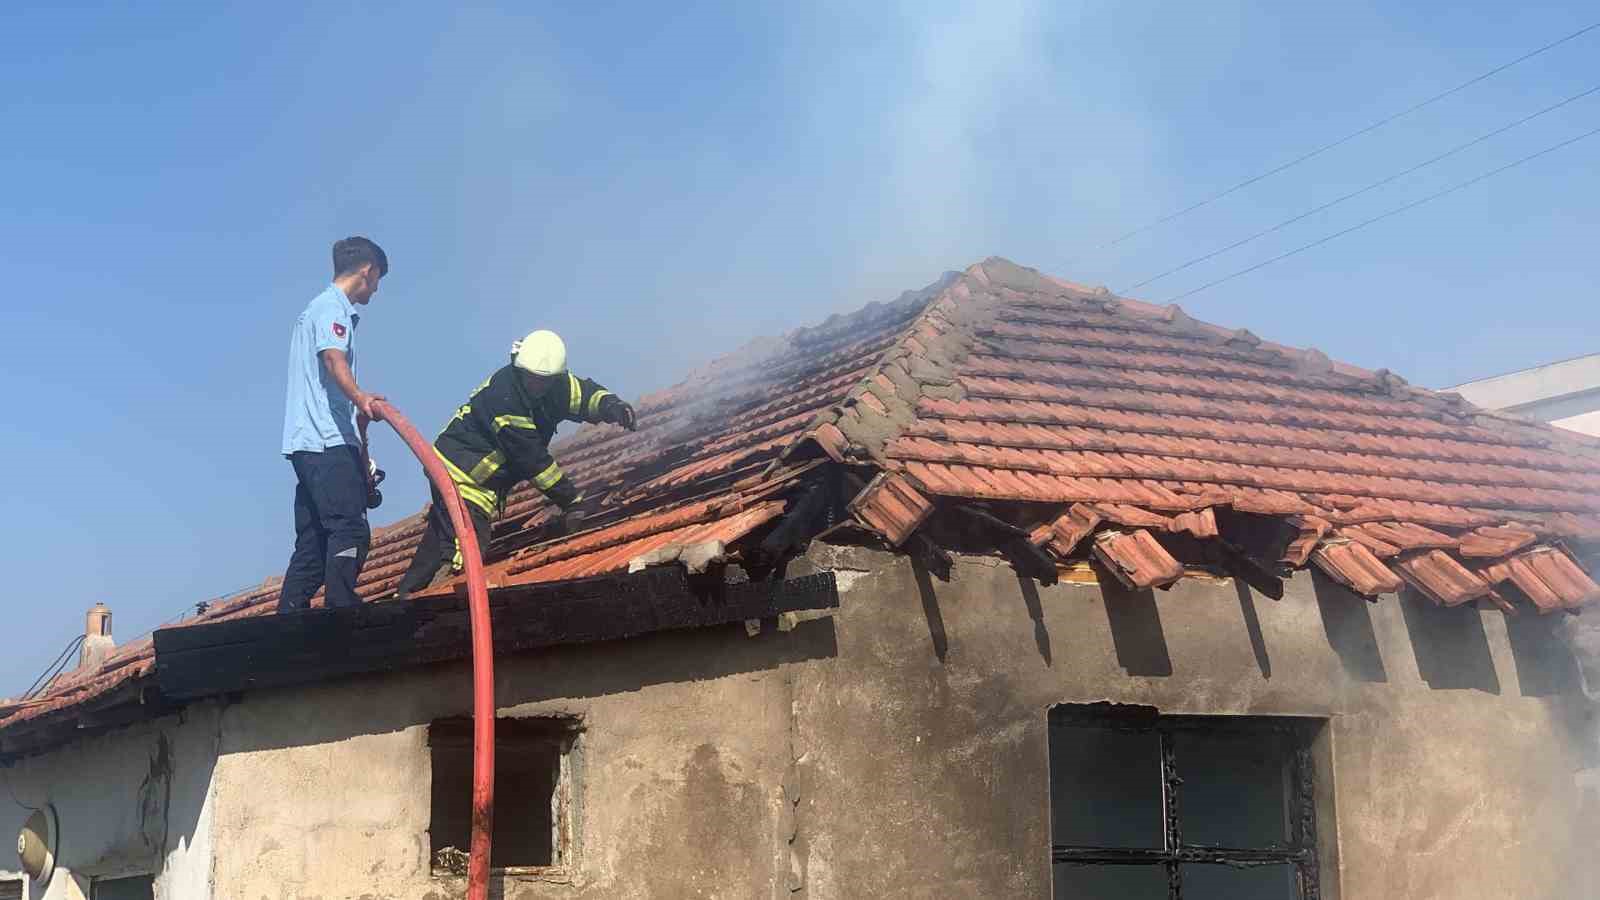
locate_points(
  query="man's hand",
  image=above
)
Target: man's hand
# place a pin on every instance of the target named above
(617, 411)
(364, 405)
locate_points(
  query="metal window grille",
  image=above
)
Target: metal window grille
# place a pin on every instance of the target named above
(1222, 804)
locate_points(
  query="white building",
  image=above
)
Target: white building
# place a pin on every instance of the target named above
(1565, 393)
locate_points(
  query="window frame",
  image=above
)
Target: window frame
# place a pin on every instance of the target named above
(1301, 851)
(98, 882)
(565, 732)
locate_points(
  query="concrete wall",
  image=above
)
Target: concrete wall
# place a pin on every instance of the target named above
(136, 801)
(1459, 742)
(899, 749)
(324, 793)
(1565, 393)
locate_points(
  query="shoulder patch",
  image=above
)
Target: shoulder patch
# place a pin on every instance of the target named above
(338, 330)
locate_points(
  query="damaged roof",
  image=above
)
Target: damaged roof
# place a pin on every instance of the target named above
(1056, 423)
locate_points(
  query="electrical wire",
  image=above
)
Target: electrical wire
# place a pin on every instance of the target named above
(1393, 212)
(6, 776)
(1371, 187)
(54, 669)
(1349, 137)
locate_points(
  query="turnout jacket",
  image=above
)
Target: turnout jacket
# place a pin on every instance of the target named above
(501, 436)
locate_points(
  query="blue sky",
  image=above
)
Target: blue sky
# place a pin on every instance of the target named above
(661, 183)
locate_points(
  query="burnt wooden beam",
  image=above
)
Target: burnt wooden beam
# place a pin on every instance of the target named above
(1252, 571)
(298, 648)
(933, 556)
(1015, 544)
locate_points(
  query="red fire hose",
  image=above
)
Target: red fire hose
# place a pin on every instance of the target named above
(482, 651)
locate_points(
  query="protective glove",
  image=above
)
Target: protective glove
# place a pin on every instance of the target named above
(563, 494)
(571, 517)
(615, 410)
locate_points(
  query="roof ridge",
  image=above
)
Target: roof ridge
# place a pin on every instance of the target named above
(920, 362)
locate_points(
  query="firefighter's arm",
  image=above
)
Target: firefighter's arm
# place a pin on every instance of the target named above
(526, 449)
(591, 402)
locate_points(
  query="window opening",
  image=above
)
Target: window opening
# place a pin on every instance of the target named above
(134, 887)
(532, 793)
(1167, 807)
(10, 890)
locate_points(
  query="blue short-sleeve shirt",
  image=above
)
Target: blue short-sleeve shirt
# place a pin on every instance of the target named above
(317, 415)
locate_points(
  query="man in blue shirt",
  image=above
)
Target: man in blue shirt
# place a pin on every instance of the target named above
(323, 423)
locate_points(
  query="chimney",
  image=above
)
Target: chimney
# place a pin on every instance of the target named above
(97, 642)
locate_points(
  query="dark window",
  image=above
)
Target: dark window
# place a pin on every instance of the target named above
(1170, 807)
(531, 792)
(10, 890)
(136, 887)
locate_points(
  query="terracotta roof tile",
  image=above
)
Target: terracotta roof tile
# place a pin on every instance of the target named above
(1495, 542)
(1137, 559)
(1069, 529)
(892, 506)
(1354, 566)
(1441, 578)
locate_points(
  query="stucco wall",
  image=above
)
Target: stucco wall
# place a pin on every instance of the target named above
(1458, 743)
(899, 748)
(324, 793)
(135, 801)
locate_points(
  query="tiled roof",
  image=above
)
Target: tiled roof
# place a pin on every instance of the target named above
(1101, 428)
(700, 468)
(1111, 414)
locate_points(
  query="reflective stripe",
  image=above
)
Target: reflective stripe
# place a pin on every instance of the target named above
(487, 466)
(482, 498)
(575, 401)
(461, 413)
(456, 564)
(514, 422)
(594, 402)
(547, 479)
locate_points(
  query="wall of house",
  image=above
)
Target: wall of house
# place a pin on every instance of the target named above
(896, 749)
(1462, 754)
(131, 802)
(324, 793)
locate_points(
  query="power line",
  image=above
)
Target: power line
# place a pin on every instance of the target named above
(1350, 137)
(54, 669)
(1393, 212)
(1371, 187)
(12, 791)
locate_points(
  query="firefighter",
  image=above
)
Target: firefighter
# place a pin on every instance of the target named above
(501, 437)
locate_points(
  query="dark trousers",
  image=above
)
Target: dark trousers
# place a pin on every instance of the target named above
(438, 547)
(331, 535)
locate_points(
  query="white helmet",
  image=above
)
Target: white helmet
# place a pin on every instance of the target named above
(542, 353)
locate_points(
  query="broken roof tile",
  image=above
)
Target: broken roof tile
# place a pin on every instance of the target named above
(1527, 580)
(1492, 542)
(1201, 523)
(1070, 528)
(1564, 576)
(890, 505)
(1137, 559)
(1376, 545)
(1356, 567)
(1444, 581)
(1312, 530)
